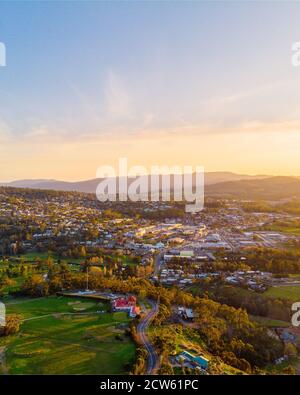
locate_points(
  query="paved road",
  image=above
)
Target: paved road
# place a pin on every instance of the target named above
(153, 359)
(158, 263)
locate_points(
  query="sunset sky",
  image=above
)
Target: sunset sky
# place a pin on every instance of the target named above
(174, 83)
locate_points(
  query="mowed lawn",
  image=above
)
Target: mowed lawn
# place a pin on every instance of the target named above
(35, 307)
(291, 292)
(53, 343)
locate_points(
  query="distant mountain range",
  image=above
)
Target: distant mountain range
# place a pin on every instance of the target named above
(271, 188)
(90, 185)
(216, 184)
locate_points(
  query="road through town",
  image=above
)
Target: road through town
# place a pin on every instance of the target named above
(153, 359)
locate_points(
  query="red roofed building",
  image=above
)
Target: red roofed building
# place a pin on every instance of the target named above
(127, 304)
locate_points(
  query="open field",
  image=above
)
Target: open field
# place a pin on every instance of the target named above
(127, 261)
(54, 342)
(30, 308)
(291, 292)
(269, 322)
(32, 256)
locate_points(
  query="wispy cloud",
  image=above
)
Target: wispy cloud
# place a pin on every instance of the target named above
(118, 101)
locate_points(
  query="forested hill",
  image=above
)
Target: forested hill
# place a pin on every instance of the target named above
(272, 188)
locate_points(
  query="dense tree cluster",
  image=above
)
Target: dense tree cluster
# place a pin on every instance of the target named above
(254, 303)
(12, 325)
(273, 260)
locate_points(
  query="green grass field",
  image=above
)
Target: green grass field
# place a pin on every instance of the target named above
(78, 343)
(291, 292)
(127, 261)
(269, 322)
(32, 256)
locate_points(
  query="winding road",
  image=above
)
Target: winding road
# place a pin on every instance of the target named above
(153, 359)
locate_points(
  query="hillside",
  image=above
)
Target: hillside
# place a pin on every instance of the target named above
(272, 188)
(89, 186)
(263, 187)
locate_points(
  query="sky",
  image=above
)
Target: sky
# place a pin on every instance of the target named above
(162, 83)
